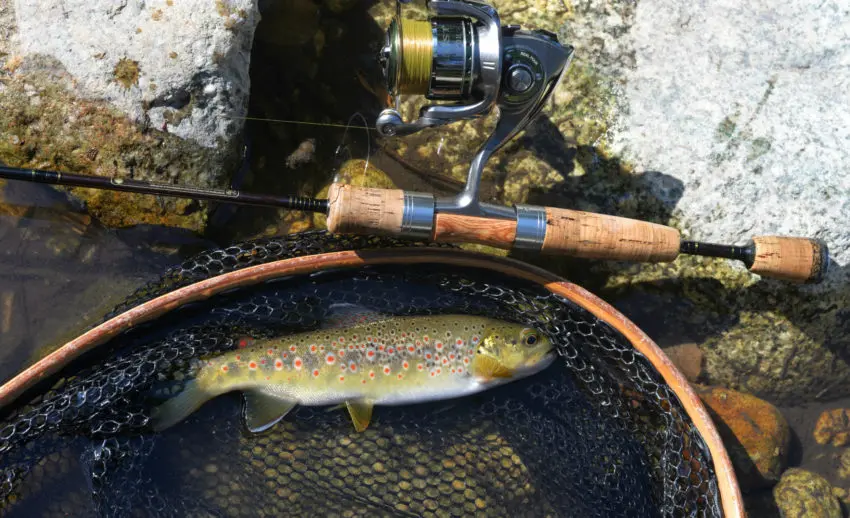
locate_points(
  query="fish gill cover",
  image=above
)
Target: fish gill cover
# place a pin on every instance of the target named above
(598, 433)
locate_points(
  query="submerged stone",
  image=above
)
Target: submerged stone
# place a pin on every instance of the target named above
(803, 494)
(833, 427)
(755, 433)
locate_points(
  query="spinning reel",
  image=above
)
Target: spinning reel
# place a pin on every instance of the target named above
(463, 55)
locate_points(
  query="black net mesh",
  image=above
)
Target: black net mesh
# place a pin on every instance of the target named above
(596, 434)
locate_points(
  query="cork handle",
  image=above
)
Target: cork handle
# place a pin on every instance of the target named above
(456, 228)
(598, 236)
(363, 210)
(790, 258)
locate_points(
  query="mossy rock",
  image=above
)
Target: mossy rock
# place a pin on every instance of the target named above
(803, 494)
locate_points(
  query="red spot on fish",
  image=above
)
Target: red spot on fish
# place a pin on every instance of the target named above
(418, 343)
(368, 338)
(343, 367)
(372, 374)
(475, 339)
(459, 341)
(243, 343)
(386, 369)
(433, 374)
(460, 370)
(363, 381)
(341, 339)
(278, 364)
(420, 366)
(453, 371)
(263, 362)
(390, 350)
(350, 347)
(322, 348)
(285, 355)
(370, 354)
(426, 339)
(404, 335)
(239, 357)
(354, 337)
(405, 365)
(252, 366)
(316, 373)
(341, 352)
(439, 371)
(380, 347)
(292, 348)
(268, 378)
(270, 352)
(451, 356)
(298, 363)
(342, 378)
(353, 367)
(439, 345)
(411, 348)
(313, 348)
(466, 361)
(330, 359)
(400, 376)
(427, 356)
(225, 368)
(445, 361)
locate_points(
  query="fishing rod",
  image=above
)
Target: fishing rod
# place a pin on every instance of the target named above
(463, 57)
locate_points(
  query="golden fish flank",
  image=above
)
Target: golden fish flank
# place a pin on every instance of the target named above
(389, 361)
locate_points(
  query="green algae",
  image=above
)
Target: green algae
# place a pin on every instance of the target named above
(127, 72)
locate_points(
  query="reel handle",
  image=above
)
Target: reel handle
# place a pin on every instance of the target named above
(361, 210)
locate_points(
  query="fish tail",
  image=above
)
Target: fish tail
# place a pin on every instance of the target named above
(178, 407)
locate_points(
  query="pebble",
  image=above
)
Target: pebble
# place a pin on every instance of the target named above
(833, 427)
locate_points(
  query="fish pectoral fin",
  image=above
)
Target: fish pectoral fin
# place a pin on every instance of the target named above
(488, 368)
(262, 411)
(360, 412)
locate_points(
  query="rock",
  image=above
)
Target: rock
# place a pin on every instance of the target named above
(803, 494)
(720, 97)
(833, 427)
(688, 358)
(756, 435)
(131, 89)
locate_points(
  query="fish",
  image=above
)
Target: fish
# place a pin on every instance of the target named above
(363, 359)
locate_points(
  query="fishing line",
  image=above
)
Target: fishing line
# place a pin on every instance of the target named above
(366, 127)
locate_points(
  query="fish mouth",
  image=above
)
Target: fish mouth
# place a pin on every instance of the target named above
(537, 364)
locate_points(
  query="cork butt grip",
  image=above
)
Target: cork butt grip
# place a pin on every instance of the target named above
(599, 236)
(790, 258)
(363, 210)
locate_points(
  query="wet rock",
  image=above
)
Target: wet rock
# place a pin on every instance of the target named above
(756, 435)
(833, 427)
(801, 493)
(150, 91)
(688, 358)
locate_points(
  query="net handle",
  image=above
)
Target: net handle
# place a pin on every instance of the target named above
(730, 495)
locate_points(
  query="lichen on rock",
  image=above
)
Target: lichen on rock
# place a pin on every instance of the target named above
(803, 494)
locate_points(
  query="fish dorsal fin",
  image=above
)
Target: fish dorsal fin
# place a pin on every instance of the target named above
(360, 412)
(488, 368)
(262, 411)
(344, 314)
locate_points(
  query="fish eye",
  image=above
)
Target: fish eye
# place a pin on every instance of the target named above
(529, 337)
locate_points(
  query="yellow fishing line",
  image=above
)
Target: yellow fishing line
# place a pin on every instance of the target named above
(417, 52)
(284, 121)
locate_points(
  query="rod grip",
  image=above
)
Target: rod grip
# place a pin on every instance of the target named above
(364, 210)
(458, 228)
(796, 259)
(599, 236)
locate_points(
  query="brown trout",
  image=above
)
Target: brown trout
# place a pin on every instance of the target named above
(363, 362)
